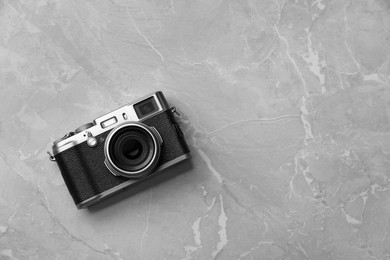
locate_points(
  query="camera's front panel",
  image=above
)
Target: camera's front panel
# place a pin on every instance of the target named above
(87, 176)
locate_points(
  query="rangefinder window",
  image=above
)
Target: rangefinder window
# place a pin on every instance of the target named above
(146, 107)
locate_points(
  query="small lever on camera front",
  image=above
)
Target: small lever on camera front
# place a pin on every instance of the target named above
(91, 141)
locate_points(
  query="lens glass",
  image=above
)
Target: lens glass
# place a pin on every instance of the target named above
(131, 149)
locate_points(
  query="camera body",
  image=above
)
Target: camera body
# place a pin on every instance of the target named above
(119, 149)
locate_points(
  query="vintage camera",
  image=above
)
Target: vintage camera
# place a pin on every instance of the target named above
(119, 149)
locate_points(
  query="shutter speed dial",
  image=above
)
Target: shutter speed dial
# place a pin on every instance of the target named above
(83, 127)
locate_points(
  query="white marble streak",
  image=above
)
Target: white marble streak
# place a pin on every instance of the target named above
(223, 238)
(210, 166)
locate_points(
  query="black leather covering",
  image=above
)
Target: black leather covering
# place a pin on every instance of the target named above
(85, 173)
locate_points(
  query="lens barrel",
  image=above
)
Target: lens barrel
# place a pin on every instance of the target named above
(132, 150)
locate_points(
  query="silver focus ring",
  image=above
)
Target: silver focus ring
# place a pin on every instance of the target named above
(145, 170)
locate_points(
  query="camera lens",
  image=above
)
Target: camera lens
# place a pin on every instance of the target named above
(132, 150)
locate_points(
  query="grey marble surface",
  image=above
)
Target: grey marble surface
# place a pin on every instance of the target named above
(285, 106)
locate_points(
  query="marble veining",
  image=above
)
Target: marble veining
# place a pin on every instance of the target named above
(284, 104)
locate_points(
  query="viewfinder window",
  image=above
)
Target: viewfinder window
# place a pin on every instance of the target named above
(109, 122)
(146, 107)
